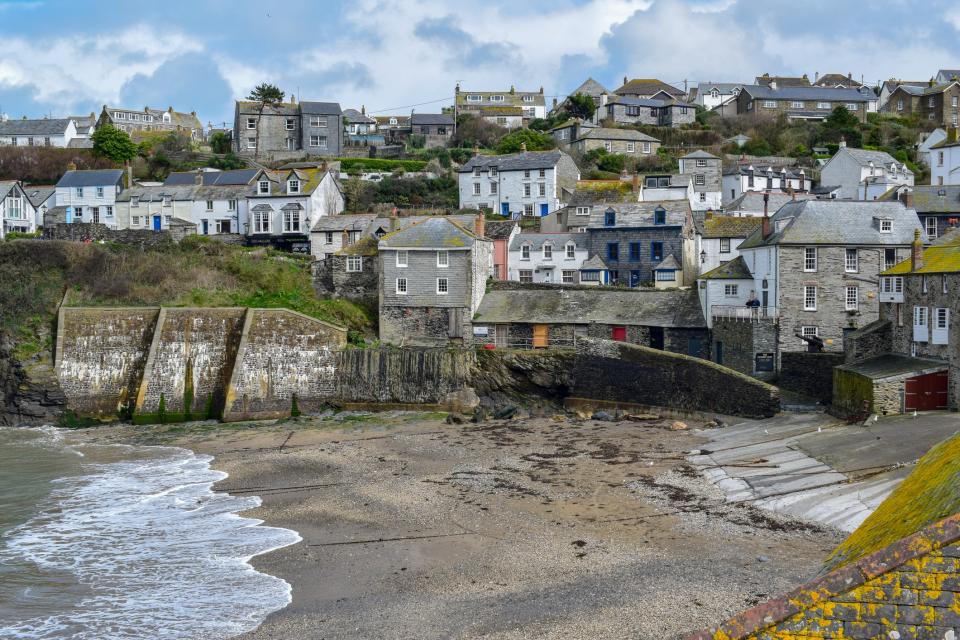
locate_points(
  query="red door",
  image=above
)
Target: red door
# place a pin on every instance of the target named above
(620, 334)
(927, 393)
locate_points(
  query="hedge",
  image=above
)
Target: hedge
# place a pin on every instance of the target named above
(351, 165)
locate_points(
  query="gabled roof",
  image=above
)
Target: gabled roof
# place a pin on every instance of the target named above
(442, 119)
(928, 199)
(941, 257)
(590, 87)
(669, 264)
(722, 87)
(763, 92)
(594, 263)
(730, 226)
(673, 308)
(736, 269)
(699, 154)
(630, 101)
(6, 186)
(39, 194)
(499, 229)
(604, 133)
(436, 232)
(310, 178)
(784, 81)
(354, 116)
(213, 178)
(752, 201)
(249, 107)
(864, 157)
(837, 79)
(641, 214)
(91, 178)
(515, 161)
(37, 127)
(647, 87)
(837, 222)
(320, 108)
(948, 74)
(557, 240)
(344, 222)
(511, 97)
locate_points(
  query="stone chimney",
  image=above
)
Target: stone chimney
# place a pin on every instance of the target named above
(916, 252)
(363, 109)
(394, 220)
(198, 177)
(907, 198)
(129, 175)
(765, 230)
(816, 76)
(480, 225)
(554, 103)
(71, 166)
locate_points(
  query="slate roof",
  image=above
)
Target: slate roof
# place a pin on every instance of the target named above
(310, 179)
(669, 264)
(762, 170)
(498, 229)
(699, 154)
(435, 232)
(891, 364)
(181, 118)
(675, 308)
(344, 222)
(865, 156)
(6, 186)
(418, 119)
(783, 81)
(515, 161)
(558, 240)
(213, 178)
(90, 178)
(154, 193)
(722, 87)
(384, 223)
(730, 226)
(647, 86)
(354, 117)
(39, 194)
(249, 107)
(806, 93)
(752, 201)
(511, 98)
(590, 192)
(641, 214)
(927, 198)
(834, 222)
(941, 257)
(594, 263)
(38, 127)
(736, 269)
(650, 102)
(604, 133)
(833, 79)
(590, 87)
(321, 108)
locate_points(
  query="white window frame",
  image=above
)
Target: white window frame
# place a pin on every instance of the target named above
(810, 331)
(291, 221)
(645, 147)
(476, 188)
(263, 187)
(941, 326)
(542, 189)
(524, 252)
(251, 123)
(851, 265)
(527, 191)
(568, 276)
(99, 192)
(810, 259)
(293, 186)
(290, 124)
(547, 251)
(797, 104)
(209, 205)
(930, 226)
(493, 188)
(443, 259)
(769, 104)
(571, 251)
(731, 290)
(583, 211)
(402, 259)
(886, 226)
(631, 147)
(724, 245)
(443, 286)
(79, 192)
(809, 301)
(921, 324)
(851, 298)
(401, 287)
(354, 264)
(231, 205)
(528, 209)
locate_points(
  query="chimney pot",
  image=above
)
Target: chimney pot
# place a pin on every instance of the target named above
(71, 166)
(916, 252)
(480, 225)
(765, 229)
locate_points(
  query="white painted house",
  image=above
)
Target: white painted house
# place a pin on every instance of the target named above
(758, 178)
(547, 257)
(42, 132)
(16, 211)
(711, 95)
(719, 238)
(286, 203)
(90, 195)
(530, 183)
(945, 161)
(725, 290)
(864, 175)
(923, 149)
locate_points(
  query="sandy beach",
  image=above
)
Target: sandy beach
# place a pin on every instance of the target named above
(541, 527)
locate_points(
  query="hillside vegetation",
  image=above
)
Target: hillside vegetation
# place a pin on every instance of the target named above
(35, 274)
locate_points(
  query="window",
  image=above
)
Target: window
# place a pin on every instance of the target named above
(99, 192)
(79, 192)
(852, 298)
(46, 139)
(493, 188)
(251, 123)
(401, 286)
(943, 283)
(119, 115)
(809, 331)
(231, 205)
(724, 245)
(660, 216)
(809, 298)
(953, 101)
(493, 172)
(526, 275)
(476, 188)
(476, 172)
(291, 221)
(401, 258)
(474, 98)
(823, 105)
(770, 104)
(613, 251)
(583, 211)
(209, 205)
(261, 222)
(290, 124)
(941, 326)
(889, 258)
(442, 286)
(572, 253)
(931, 101)
(568, 277)
(136, 221)
(78, 211)
(542, 189)
(610, 218)
(321, 121)
(796, 104)
(699, 180)
(930, 225)
(656, 251)
(291, 144)
(810, 259)
(920, 324)
(293, 186)
(900, 104)
(251, 143)
(892, 284)
(525, 252)
(631, 147)
(852, 106)
(548, 251)
(923, 283)
(543, 173)
(354, 264)
(634, 251)
(109, 211)
(886, 226)
(645, 147)
(730, 290)
(263, 187)
(443, 259)
(851, 261)
(134, 201)
(703, 196)
(526, 190)
(589, 276)
(528, 209)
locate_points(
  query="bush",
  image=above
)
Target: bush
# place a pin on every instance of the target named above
(369, 165)
(533, 140)
(612, 162)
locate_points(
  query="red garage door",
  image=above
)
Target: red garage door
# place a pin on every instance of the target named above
(926, 393)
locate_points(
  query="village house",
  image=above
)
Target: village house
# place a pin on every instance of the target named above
(745, 178)
(658, 112)
(836, 81)
(711, 95)
(719, 239)
(358, 123)
(761, 203)
(332, 233)
(89, 195)
(704, 169)
(288, 130)
(394, 129)
(628, 142)
(511, 109)
(556, 316)
(588, 194)
(135, 121)
(946, 75)
(436, 129)
(937, 206)
(529, 183)
(766, 80)
(724, 292)
(433, 277)
(42, 132)
(633, 239)
(802, 103)
(814, 267)
(908, 360)
(590, 88)
(17, 213)
(889, 86)
(286, 203)
(569, 131)
(42, 198)
(86, 126)
(945, 160)
(501, 233)
(547, 257)
(863, 174)
(937, 104)
(648, 88)
(927, 140)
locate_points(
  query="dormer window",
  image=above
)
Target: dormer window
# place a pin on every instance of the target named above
(293, 186)
(134, 201)
(610, 218)
(886, 226)
(493, 172)
(660, 216)
(571, 251)
(263, 187)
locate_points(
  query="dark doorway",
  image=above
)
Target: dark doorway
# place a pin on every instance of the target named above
(656, 337)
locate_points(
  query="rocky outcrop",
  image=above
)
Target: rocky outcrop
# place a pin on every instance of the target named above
(29, 395)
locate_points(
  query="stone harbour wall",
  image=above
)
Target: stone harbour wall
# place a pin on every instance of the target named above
(100, 356)
(809, 373)
(408, 376)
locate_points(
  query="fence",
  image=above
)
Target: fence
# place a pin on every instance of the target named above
(745, 313)
(503, 342)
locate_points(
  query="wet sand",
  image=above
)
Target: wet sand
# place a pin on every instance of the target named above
(542, 527)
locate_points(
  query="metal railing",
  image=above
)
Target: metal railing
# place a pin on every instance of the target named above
(745, 313)
(528, 343)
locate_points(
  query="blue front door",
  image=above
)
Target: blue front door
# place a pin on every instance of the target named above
(206, 226)
(156, 223)
(634, 278)
(544, 210)
(505, 209)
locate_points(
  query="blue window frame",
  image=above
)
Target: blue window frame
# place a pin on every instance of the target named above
(659, 216)
(613, 251)
(656, 251)
(610, 218)
(634, 252)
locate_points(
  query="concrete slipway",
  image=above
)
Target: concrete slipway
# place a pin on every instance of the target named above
(813, 467)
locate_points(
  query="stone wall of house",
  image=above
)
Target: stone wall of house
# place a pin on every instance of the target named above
(809, 373)
(872, 340)
(189, 364)
(94, 232)
(100, 356)
(909, 590)
(282, 355)
(741, 341)
(601, 237)
(425, 326)
(331, 278)
(617, 371)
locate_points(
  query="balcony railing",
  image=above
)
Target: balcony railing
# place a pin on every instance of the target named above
(745, 313)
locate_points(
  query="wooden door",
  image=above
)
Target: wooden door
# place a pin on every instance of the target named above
(541, 336)
(619, 334)
(926, 393)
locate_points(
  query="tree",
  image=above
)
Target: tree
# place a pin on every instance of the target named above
(580, 106)
(220, 142)
(472, 130)
(264, 94)
(110, 142)
(534, 141)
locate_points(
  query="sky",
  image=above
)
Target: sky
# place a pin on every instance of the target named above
(60, 58)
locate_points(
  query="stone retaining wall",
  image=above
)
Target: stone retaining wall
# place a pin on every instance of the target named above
(410, 375)
(809, 373)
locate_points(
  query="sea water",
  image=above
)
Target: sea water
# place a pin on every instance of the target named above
(115, 541)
